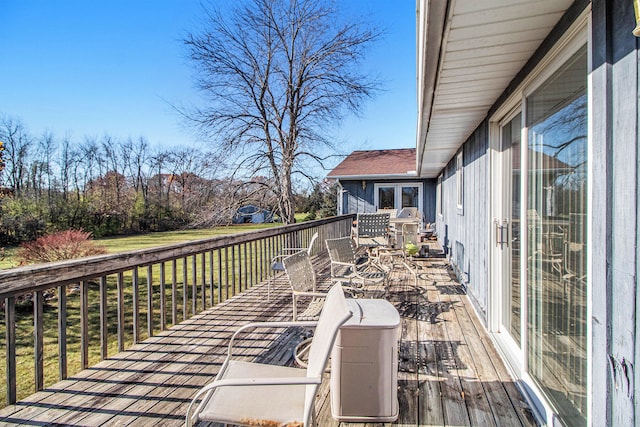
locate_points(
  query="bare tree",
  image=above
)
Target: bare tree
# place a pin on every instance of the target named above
(277, 74)
(17, 143)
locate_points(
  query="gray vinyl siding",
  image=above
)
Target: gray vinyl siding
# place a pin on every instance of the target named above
(615, 213)
(356, 199)
(463, 233)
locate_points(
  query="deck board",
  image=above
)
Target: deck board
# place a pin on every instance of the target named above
(449, 371)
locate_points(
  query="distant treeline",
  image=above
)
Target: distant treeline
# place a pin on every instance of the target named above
(109, 186)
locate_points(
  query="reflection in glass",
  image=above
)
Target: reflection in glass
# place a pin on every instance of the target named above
(386, 198)
(556, 243)
(409, 197)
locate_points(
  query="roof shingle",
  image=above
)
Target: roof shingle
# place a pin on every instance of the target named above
(376, 163)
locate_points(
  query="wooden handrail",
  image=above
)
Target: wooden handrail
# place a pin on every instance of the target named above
(235, 263)
(20, 280)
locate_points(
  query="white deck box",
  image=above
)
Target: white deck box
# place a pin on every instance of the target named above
(364, 363)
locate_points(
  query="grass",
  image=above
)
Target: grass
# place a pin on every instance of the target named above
(142, 241)
(24, 317)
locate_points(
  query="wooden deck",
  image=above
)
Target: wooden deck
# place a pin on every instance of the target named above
(449, 372)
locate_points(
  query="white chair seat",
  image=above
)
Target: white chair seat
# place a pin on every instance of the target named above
(257, 405)
(312, 312)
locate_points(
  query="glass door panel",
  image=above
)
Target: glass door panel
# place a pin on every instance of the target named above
(410, 197)
(386, 197)
(556, 238)
(511, 290)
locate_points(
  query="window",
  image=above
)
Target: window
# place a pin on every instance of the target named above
(460, 181)
(386, 197)
(398, 196)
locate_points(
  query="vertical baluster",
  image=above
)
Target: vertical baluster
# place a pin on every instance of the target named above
(163, 299)
(84, 324)
(149, 300)
(103, 318)
(62, 332)
(233, 270)
(211, 277)
(38, 345)
(10, 324)
(194, 285)
(185, 276)
(120, 314)
(247, 267)
(203, 271)
(240, 269)
(226, 272)
(219, 276)
(174, 292)
(252, 262)
(260, 258)
(136, 307)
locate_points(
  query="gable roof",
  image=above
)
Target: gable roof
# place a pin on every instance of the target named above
(398, 163)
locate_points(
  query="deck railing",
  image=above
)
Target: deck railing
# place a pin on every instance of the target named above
(130, 296)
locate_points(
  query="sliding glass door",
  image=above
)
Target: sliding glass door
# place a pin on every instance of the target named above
(556, 121)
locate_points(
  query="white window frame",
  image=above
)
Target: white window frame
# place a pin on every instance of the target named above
(398, 193)
(460, 182)
(439, 196)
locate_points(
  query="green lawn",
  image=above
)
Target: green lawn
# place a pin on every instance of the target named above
(141, 241)
(24, 316)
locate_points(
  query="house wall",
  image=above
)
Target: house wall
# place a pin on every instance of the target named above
(355, 199)
(614, 210)
(463, 232)
(616, 214)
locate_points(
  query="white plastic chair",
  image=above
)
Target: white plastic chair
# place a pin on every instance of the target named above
(345, 266)
(302, 278)
(249, 394)
(276, 262)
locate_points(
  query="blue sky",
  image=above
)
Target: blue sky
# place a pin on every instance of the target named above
(90, 67)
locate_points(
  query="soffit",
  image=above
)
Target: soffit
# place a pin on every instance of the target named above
(482, 46)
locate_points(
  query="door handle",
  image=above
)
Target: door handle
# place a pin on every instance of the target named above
(501, 232)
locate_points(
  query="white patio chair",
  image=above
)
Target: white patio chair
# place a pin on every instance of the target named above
(372, 229)
(252, 394)
(278, 267)
(403, 253)
(344, 264)
(302, 278)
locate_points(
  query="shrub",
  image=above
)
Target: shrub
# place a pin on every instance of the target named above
(68, 244)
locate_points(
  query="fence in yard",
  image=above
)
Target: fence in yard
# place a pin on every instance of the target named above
(81, 311)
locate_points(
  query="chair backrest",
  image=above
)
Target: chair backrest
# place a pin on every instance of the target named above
(409, 212)
(312, 242)
(341, 250)
(373, 224)
(300, 272)
(334, 313)
(372, 229)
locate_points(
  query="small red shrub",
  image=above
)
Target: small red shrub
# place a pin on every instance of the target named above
(68, 244)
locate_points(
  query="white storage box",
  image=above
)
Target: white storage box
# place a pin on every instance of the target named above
(364, 363)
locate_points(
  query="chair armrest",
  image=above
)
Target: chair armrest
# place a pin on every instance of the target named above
(347, 264)
(257, 325)
(309, 294)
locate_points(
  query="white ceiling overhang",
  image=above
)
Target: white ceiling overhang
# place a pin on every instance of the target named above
(468, 52)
